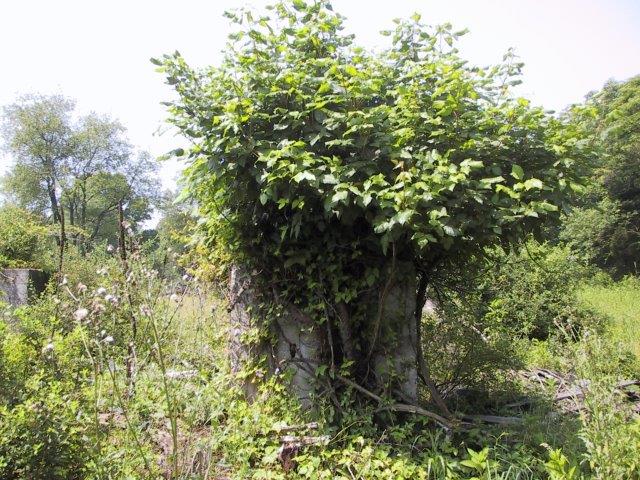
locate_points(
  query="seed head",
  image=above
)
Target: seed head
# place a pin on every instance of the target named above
(80, 314)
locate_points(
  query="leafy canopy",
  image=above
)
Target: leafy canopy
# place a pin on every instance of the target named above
(311, 148)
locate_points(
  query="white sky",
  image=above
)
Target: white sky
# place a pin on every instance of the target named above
(98, 51)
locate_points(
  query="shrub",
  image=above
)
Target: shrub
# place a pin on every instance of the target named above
(42, 437)
(42, 412)
(23, 239)
(489, 308)
(533, 293)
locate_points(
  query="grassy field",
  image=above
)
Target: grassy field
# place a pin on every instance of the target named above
(621, 303)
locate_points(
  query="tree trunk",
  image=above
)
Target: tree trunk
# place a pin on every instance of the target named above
(53, 198)
(300, 345)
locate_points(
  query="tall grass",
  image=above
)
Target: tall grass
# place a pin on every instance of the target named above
(620, 302)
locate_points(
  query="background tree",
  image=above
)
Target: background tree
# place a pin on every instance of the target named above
(83, 167)
(606, 229)
(343, 178)
(38, 133)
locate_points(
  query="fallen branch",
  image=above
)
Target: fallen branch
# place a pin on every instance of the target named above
(573, 393)
(296, 428)
(305, 440)
(495, 419)
(397, 407)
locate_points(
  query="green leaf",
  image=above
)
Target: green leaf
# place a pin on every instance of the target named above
(329, 179)
(533, 183)
(340, 196)
(299, 5)
(517, 172)
(351, 70)
(403, 216)
(488, 182)
(305, 175)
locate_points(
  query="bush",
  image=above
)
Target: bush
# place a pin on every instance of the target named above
(533, 293)
(488, 309)
(42, 411)
(42, 437)
(23, 240)
(604, 235)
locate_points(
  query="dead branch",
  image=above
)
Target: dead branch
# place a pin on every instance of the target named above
(295, 428)
(305, 440)
(396, 407)
(493, 419)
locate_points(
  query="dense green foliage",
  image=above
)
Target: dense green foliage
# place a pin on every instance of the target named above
(535, 293)
(65, 410)
(318, 143)
(23, 239)
(321, 166)
(606, 229)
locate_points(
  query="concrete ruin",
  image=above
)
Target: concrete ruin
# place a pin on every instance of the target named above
(19, 285)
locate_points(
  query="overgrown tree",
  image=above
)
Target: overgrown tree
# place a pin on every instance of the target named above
(341, 179)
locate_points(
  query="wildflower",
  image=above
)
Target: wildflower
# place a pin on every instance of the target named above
(80, 314)
(108, 339)
(145, 310)
(101, 291)
(174, 297)
(81, 287)
(64, 281)
(185, 277)
(102, 271)
(110, 248)
(111, 299)
(47, 348)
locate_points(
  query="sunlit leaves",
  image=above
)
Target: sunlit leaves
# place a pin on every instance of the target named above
(310, 140)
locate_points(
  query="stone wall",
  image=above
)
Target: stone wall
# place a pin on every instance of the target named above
(18, 285)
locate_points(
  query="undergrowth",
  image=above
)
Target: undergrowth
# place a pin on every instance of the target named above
(126, 376)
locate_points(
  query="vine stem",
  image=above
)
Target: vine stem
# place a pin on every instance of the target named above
(132, 431)
(383, 296)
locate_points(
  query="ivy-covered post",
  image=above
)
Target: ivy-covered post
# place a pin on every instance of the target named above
(245, 345)
(334, 174)
(394, 351)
